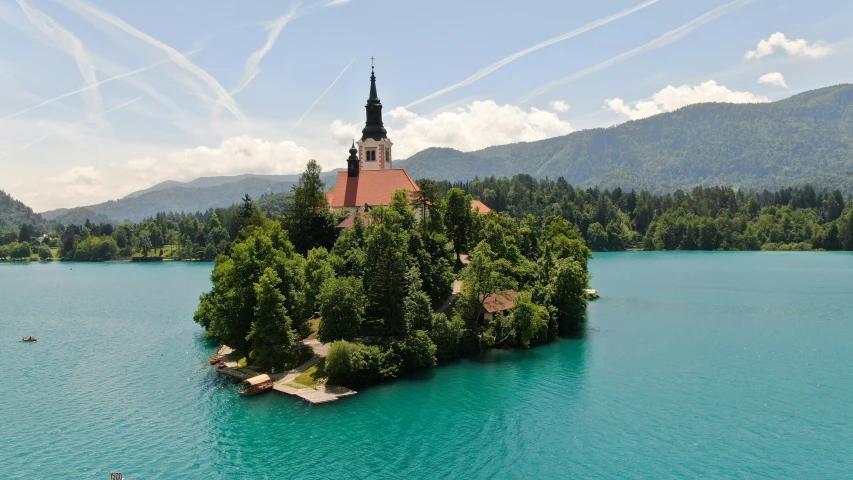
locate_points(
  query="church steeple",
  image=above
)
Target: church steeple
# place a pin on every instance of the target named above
(352, 161)
(373, 128)
(374, 148)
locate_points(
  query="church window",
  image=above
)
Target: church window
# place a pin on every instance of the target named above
(371, 155)
(387, 155)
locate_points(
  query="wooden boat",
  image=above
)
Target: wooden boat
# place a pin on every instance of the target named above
(256, 385)
(214, 360)
(28, 339)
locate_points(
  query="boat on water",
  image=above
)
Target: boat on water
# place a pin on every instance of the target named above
(256, 385)
(28, 339)
(214, 360)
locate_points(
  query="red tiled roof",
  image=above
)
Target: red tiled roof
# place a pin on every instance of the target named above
(500, 301)
(371, 187)
(479, 206)
(350, 221)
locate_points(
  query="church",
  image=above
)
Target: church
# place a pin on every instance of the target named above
(370, 179)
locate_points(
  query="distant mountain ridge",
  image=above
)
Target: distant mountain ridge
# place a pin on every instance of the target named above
(195, 196)
(804, 138)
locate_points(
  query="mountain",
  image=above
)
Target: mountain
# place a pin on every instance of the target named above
(13, 213)
(197, 195)
(75, 216)
(804, 138)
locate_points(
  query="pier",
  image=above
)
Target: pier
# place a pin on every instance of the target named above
(284, 382)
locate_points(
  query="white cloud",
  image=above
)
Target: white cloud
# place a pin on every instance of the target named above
(478, 125)
(336, 2)
(798, 47)
(672, 98)
(560, 106)
(234, 156)
(776, 79)
(87, 175)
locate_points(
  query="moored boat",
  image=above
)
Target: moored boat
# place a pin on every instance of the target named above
(256, 385)
(28, 339)
(214, 360)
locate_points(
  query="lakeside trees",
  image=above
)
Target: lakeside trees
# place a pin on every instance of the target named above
(714, 218)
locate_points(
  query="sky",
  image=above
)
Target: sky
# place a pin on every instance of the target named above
(102, 98)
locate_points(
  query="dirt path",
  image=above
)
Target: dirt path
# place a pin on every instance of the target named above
(320, 351)
(449, 301)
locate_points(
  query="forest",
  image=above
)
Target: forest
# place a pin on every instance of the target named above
(373, 290)
(176, 236)
(714, 218)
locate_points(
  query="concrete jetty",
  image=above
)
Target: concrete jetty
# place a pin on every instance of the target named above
(284, 381)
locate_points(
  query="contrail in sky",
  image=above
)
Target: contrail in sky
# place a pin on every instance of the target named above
(497, 65)
(70, 44)
(661, 41)
(86, 88)
(180, 59)
(45, 137)
(253, 62)
(319, 98)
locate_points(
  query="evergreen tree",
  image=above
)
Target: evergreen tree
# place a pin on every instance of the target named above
(341, 302)
(309, 220)
(271, 333)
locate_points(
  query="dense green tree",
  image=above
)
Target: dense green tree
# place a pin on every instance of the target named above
(228, 310)
(271, 334)
(385, 268)
(528, 320)
(309, 220)
(341, 302)
(458, 219)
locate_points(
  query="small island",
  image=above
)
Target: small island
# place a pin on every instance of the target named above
(389, 275)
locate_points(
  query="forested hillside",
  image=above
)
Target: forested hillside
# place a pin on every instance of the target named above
(15, 213)
(807, 138)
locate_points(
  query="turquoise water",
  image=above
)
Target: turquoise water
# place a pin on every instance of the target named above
(696, 365)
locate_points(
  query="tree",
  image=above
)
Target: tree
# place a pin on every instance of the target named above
(247, 211)
(385, 269)
(528, 319)
(228, 310)
(145, 244)
(271, 333)
(446, 334)
(568, 288)
(44, 252)
(416, 306)
(341, 302)
(309, 221)
(317, 271)
(457, 219)
(597, 236)
(20, 251)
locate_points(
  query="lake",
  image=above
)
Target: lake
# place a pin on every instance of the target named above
(695, 365)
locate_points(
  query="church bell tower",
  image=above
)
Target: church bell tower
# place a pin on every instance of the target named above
(374, 149)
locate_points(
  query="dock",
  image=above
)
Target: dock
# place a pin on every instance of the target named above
(283, 382)
(592, 294)
(316, 395)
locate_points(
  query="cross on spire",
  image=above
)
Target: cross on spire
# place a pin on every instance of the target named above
(371, 61)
